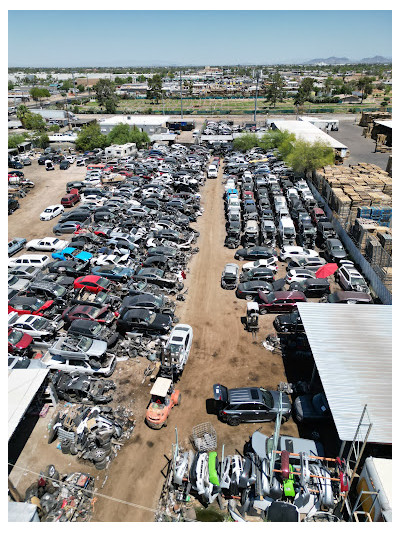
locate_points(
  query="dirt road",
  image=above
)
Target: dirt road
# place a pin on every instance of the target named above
(48, 190)
(222, 352)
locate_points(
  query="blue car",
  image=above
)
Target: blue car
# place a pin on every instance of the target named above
(113, 272)
(15, 246)
(71, 253)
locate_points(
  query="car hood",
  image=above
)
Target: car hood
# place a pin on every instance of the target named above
(304, 407)
(97, 349)
(286, 405)
(162, 321)
(338, 254)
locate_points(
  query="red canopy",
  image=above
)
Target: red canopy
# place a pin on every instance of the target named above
(326, 270)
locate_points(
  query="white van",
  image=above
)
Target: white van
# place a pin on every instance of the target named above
(286, 231)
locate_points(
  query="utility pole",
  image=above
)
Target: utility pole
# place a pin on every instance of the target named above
(180, 81)
(255, 102)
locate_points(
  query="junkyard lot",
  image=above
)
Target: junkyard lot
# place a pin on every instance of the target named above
(222, 352)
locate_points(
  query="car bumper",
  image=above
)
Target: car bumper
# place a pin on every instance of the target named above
(154, 425)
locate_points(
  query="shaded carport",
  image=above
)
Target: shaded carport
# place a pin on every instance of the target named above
(23, 385)
(352, 351)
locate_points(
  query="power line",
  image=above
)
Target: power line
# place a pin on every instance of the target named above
(94, 493)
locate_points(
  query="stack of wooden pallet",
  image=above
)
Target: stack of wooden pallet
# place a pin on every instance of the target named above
(364, 227)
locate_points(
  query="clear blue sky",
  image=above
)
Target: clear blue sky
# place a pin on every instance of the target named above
(134, 38)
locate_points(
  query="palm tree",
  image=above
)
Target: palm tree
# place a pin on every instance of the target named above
(22, 112)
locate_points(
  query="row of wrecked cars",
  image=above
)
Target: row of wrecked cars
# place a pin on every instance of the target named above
(110, 290)
(109, 294)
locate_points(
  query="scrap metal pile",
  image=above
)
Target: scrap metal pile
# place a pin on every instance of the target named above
(62, 497)
(272, 473)
(92, 433)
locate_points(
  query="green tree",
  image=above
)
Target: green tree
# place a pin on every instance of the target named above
(304, 92)
(364, 84)
(90, 137)
(55, 128)
(22, 111)
(105, 92)
(110, 106)
(10, 85)
(245, 142)
(66, 85)
(38, 93)
(81, 88)
(306, 157)
(281, 140)
(141, 78)
(41, 140)
(120, 134)
(76, 110)
(274, 91)
(154, 88)
(16, 139)
(139, 137)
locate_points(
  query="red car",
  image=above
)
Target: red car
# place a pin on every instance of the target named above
(92, 283)
(279, 301)
(19, 342)
(29, 305)
(125, 173)
(247, 195)
(88, 312)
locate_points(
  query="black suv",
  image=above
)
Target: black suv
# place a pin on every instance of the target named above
(13, 204)
(249, 404)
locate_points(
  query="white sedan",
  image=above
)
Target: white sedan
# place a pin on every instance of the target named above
(293, 252)
(47, 244)
(112, 259)
(268, 263)
(178, 346)
(70, 158)
(299, 274)
(51, 212)
(35, 260)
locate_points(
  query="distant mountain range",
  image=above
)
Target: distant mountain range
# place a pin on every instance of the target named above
(345, 60)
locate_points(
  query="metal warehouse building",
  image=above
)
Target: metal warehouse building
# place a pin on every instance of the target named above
(305, 131)
(352, 351)
(148, 123)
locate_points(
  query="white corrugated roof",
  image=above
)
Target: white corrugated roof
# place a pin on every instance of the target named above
(352, 349)
(387, 123)
(137, 120)
(23, 384)
(307, 132)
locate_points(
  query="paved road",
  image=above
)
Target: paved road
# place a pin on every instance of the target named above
(361, 149)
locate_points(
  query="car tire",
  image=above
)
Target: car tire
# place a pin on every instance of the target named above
(233, 421)
(101, 464)
(249, 297)
(99, 455)
(165, 424)
(65, 446)
(263, 311)
(284, 419)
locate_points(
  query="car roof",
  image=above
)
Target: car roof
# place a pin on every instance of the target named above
(231, 268)
(245, 394)
(90, 277)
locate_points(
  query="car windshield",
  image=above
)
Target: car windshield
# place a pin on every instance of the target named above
(267, 398)
(270, 298)
(84, 344)
(102, 282)
(39, 323)
(60, 290)
(150, 318)
(93, 312)
(15, 336)
(48, 210)
(356, 280)
(175, 348)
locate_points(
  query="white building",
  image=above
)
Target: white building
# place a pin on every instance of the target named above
(121, 150)
(148, 123)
